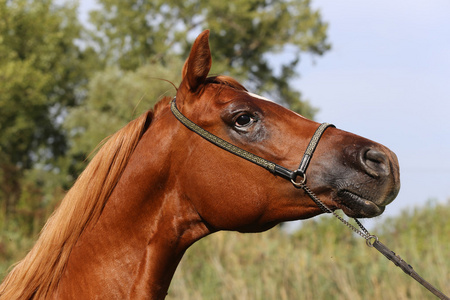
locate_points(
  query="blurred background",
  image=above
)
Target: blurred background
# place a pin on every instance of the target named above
(74, 72)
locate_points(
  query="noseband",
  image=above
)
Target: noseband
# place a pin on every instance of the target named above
(271, 166)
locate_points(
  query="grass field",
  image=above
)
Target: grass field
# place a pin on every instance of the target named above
(322, 260)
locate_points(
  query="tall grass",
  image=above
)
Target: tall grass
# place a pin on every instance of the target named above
(323, 260)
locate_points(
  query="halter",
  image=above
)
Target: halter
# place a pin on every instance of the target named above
(266, 164)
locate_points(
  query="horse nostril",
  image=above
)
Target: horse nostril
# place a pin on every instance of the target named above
(375, 162)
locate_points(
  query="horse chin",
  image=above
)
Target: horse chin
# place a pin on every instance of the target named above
(357, 206)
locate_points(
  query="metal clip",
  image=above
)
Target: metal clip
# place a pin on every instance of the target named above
(294, 177)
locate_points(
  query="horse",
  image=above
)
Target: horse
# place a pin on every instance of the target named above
(158, 185)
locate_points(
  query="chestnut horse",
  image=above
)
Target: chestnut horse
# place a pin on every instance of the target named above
(156, 187)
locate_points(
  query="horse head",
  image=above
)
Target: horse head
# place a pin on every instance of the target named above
(347, 172)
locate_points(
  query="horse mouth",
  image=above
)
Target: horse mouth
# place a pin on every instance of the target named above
(356, 205)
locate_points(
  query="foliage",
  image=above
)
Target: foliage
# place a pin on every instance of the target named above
(244, 34)
(41, 74)
(323, 260)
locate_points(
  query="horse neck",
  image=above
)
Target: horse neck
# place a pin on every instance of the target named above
(146, 226)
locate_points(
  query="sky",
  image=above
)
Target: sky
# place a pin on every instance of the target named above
(387, 78)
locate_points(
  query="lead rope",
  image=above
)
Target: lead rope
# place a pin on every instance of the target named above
(373, 242)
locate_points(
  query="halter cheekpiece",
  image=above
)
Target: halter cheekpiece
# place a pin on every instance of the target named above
(266, 164)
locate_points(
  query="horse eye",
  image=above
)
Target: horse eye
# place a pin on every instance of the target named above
(244, 120)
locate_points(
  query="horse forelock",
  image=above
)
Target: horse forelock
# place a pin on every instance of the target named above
(37, 275)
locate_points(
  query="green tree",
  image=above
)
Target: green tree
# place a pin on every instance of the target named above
(244, 34)
(41, 74)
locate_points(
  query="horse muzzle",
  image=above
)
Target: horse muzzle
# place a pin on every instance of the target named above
(372, 183)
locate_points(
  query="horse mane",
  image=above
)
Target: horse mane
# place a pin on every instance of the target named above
(38, 274)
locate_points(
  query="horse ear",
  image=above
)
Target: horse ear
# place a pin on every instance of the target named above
(197, 66)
